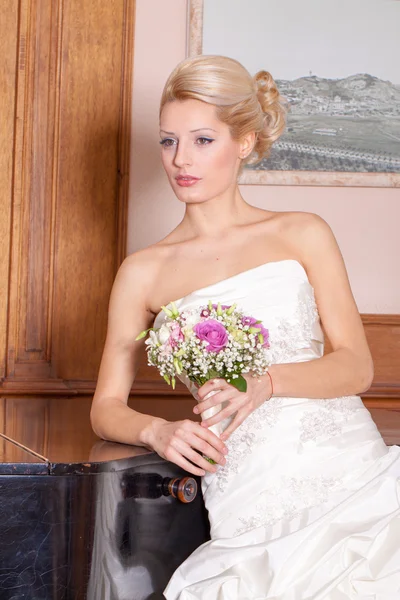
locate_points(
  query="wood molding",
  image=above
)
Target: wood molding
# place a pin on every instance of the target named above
(380, 319)
(125, 128)
(8, 51)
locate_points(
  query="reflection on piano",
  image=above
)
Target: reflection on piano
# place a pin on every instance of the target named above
(86, 519)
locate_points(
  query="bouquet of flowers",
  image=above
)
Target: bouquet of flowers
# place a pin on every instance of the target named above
(205, 342)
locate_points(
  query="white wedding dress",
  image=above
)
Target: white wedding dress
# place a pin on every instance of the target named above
(308, 503)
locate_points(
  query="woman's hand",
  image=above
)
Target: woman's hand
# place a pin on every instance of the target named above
(184, 441)
(241, 403)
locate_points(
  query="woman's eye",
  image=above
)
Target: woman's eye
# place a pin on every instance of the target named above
(167, 142)
(203, 141)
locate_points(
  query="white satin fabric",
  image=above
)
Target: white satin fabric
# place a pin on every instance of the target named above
(308, 504)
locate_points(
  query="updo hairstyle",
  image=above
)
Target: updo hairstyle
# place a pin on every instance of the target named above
(243, 102)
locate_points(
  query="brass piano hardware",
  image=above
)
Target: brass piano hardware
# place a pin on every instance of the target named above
(152, 485)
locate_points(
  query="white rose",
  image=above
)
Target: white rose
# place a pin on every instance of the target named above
(164, 334)
(192, 320)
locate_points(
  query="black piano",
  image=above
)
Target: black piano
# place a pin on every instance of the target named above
(86, 519)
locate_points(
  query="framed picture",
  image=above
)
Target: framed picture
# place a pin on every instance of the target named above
(337, 64)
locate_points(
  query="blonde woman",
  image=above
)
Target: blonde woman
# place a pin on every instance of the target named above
(304, 501)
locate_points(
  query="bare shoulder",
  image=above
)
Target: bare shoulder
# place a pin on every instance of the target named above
(138, 264)
(138, 271)
(299, 223)
(305, 233)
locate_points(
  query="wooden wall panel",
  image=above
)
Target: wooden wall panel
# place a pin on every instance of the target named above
(68, 143)
(383, 335)
(87, 178)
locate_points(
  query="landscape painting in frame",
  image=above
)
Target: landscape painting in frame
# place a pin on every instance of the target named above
(337, 62)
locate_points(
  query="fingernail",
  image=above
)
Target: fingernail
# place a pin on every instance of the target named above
(196, 410)
(225, 450)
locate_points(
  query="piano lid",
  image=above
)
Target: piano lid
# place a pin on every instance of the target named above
(55, 435)
(15, 460)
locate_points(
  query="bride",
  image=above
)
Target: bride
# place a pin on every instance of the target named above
(304, 498)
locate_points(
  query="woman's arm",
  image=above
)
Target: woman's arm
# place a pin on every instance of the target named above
(348, 369)
(111, 417)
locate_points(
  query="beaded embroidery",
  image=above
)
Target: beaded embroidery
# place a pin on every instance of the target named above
(328, 419)
(287, 499)
(294, 333)
(244, 438)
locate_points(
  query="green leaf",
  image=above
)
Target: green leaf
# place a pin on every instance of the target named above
(167, 311)
(254, 330)
(175, 311)
(231, 309)
(261, 338)
(167, 379)
(212, 374)
(173, 383)
(178, 365)
(142, 334)
(239, 383)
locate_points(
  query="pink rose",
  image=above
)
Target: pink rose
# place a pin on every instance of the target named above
(252, 322)
(214, 333)
(176, 334)
(223, 306)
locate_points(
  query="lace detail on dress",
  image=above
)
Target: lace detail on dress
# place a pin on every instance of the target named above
(328, 419)
(291, 334)
(288, 499)
(244, 438)
(296, 332)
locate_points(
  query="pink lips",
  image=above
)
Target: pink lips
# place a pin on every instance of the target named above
(186, 180)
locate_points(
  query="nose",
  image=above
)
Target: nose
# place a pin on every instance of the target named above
(183, 154)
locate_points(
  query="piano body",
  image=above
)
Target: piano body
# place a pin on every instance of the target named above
(89, 519)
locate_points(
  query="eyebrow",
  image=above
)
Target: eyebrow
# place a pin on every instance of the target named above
(193, 130)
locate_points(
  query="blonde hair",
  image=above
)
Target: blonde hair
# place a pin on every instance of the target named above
(243, 102)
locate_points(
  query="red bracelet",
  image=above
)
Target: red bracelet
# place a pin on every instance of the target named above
(272, 384)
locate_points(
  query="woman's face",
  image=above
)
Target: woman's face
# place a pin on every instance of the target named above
(198, 153)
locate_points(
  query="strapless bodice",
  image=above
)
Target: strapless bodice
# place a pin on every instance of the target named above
(281, 296)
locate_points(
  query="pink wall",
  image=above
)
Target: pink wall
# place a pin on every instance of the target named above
(364, 220)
